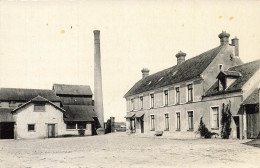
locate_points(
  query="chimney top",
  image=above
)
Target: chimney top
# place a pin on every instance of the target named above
(223, 34)
(180, 53)
(145, 72)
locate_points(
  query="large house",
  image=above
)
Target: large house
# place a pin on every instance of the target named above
(175, 99)
(37, 113)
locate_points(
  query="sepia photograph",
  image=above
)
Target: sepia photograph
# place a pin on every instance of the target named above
(129, 83)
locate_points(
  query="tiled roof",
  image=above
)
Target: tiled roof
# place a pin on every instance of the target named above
(190, 69)
(78, 90)
(79, 113)
(38, 99)
(18, 94)
(246, 70)
(231, 73)
(253, 98)
(6, 115)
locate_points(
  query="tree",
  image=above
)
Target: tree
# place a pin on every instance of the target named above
(226, 121)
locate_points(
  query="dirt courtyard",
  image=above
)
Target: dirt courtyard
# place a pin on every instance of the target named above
(120, 150)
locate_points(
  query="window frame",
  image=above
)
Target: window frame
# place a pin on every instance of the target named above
(132, 104)
(178, 124)
(152, 124)
(190, 91)
(166, 98)
(32, 124)
(166, 125)
(177, 101)
(39, 104)
(211, 117)
(152, 101)
(71, 128)
(190, 124)
(141, 102)
(220, 67)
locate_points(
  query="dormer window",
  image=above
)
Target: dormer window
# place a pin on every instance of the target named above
(226, 78)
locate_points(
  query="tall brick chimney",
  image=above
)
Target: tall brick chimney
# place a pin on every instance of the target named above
(235, 42)
(180, 57)
(98, 80)
(145, 72)
(224, 38)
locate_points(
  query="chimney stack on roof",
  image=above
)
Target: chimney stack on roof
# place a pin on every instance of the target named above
(145, 72)
(180, 57)
(236, 44)
(224, 38)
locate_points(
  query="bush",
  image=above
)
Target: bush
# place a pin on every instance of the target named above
(203, 130)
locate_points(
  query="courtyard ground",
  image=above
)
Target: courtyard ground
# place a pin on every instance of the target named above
(120, 150)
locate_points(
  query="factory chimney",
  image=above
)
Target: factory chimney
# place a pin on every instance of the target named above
(98, 80)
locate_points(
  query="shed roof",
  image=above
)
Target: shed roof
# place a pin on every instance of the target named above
(78, 90)
(19, 94)
(246, 70)
(253, 98)
(189, 69)
(79, 113)
(6, 115)
(229, 73)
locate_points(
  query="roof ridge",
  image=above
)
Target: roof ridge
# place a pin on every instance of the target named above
(25, 88)
(69, 84)
(258, 60)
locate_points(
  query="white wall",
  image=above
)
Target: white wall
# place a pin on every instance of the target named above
(26, 115)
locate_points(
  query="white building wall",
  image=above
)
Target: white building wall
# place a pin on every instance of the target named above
(26, 115)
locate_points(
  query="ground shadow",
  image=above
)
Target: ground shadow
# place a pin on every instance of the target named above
(254, 143)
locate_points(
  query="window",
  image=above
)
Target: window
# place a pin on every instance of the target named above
(166, 117)
(221, 84)
(152, 101)
(31, 127)
(132, 104)
(220, 67)
(190, 120)
(214, 117)
(177, 95)
(166, 97)
(71, 125)
(82, 125)
(190, 92)
(152, 123)
(141, 102)
(39, 107)
(178, 115)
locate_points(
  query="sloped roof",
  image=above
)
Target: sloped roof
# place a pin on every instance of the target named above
(253, 98)
(18, 94)
(246, 70)
(190, 69)
(6, 115)
(79, 113)
(38, 99)
(230, 73)
(82, 90)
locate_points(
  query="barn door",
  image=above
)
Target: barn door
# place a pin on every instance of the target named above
(51, 130)
(252, 131)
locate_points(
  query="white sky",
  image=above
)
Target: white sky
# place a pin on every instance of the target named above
(42, 43)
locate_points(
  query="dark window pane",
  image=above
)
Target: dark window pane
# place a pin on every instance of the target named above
(82, 125)
(31, 127)
(71, 125)
(39, 107)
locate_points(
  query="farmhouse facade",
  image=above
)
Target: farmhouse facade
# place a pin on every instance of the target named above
(36, 113)
(175, 99)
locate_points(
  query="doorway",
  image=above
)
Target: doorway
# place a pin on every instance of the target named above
(7, 130)
(236, 120)
(51, 130)
(142, 124)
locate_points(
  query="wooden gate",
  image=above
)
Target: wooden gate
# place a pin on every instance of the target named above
(253, 124)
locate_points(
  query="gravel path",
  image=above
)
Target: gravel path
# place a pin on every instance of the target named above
(120, 150)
